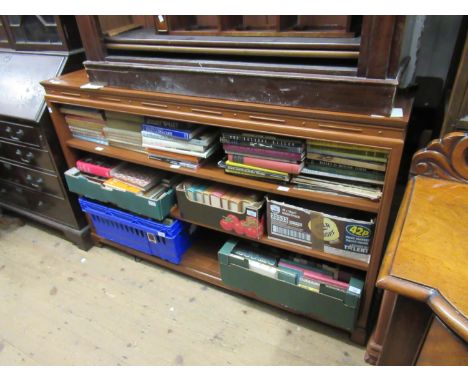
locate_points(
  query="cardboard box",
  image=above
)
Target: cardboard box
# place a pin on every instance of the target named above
(329, 233)
(245, 220)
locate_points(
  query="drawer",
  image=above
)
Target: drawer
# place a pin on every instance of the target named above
(20, 133)
(37, 202)
(37, 180)
(26, 155)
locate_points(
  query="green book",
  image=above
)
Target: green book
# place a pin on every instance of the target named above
(345, 153)
(123, 125)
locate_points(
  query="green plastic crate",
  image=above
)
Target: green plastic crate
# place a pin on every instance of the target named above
(156, 209)
(337, 308)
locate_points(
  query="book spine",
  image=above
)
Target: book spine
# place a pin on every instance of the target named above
(172, 144)
(255, 173)
(271, 146)
(346, 146)
(265, 163)
(257, 151)
(93, 169)
(167, 132)
(358, 154)
(254, 139)
(352, 173)
(337, 160)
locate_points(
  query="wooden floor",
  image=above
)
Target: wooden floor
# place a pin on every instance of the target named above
(63, 306)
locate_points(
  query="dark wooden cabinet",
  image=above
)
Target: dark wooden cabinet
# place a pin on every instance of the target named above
(31, 160)
(337, 63)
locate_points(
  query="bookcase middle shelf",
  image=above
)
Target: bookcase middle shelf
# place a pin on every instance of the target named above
(211, 171)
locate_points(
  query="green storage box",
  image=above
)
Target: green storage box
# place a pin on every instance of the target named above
(337, 308)
(156, 209)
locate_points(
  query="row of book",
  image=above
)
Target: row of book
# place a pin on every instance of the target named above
(220, 196)
(343, 169)
(315, 165)
(126, 176)
(304, 273)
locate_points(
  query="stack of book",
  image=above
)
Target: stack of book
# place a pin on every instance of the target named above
(125, 176)
(267, 157)
(179, 143)
(343, 169)
(124, 131)
(86, 124)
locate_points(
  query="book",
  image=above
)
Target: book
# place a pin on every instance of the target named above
(266, 157)
(181, 130)
(176, 156)
(97, 166)
(337, 188)
(123, 125)
(291, 168)
(138, 176)
(216, 196)
(346, 146)
(81, 111)
(87, 132)
(251, 253)
(259, 143)
(331, 160)
(209, 151)
(368, 176)
(84, 122)
(261, 140)
(245, 150)
(115, 115)
(99, 141)
(122, 186)
(200, 143)
(257, 171)
(352, 154)
(182, 145)
(175, 163)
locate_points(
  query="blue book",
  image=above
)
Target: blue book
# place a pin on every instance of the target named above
(173, 129)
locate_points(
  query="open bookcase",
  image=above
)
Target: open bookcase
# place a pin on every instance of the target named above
(201, 259)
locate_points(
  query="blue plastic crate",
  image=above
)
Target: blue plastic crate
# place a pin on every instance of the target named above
(167, 241)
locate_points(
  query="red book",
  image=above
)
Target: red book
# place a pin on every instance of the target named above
(97, 166)
(291, 168)
(247, 150)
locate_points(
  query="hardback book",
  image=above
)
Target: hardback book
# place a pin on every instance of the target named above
(149, 139)
(271, 157)
(216, 196)
(176, 156)
(334, 187)
(200, 143)
(139, 176)
(115, 115)
(241, 169)
(87, 132)
(263, 141)
(84, 122)
(99, 141)
(336, 173)
(82, 111)
(336, 161)
(206, 154)
(175, 162)
(345, 146)
(121, 185)
(291, 168)
(245, 150)
(123, 125)
(174, 129)
(97, 166)
(368, 154)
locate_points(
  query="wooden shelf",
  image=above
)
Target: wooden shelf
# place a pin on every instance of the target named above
(356, 264)
(211, 171)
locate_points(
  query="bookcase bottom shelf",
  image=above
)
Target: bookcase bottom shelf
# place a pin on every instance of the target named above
(201, 262)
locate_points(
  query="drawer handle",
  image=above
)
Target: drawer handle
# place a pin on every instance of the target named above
(26, 158)
(71, 94)
(341, 128)
(15, 134)
(111, 99)
(157, 105)
(203, 111)
(266, 119)
(36, 184)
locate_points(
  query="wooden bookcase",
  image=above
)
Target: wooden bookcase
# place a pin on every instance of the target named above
(201, 260)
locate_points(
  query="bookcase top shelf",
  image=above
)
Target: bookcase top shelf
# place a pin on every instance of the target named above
(279, 119)
(211, 171)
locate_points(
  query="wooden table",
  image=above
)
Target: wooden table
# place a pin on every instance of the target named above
(422, 319)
